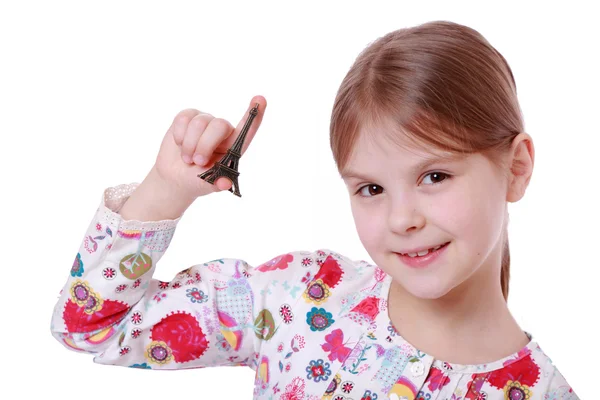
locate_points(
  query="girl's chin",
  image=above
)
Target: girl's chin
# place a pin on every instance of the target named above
(421, 290)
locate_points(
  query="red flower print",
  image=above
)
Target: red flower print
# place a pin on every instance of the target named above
(347, 387)
(136, 283)
(335, 345)
(136, 318)
(285, 311)
(124, 350)
(525, 371)
(436, 379)
(368, 307)
(109, 273)
(135, 333)
(176, 285)
(307, 261)
(182, 334)
(163, 285)
(330, 272)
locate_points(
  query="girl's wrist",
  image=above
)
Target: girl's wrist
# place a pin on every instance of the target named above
(155, 200)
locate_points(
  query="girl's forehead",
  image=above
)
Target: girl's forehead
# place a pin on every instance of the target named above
(393, 146)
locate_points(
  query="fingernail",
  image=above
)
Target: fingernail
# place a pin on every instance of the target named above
(199, 160)
(186, 158)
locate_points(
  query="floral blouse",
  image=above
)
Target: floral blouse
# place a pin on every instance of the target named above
(312, 324)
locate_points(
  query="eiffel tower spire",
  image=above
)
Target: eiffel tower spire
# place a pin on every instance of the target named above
(227, 166)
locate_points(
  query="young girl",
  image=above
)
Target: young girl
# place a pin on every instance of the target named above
(427, 134)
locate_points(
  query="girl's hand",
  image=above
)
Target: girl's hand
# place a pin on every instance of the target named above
(194, 134)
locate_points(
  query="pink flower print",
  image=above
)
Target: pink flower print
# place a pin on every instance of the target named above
(380, 350)
(136, 283)
(135, 333)
(288, 366)
(280, 347)
(300, 340)
(90, 244)
(158, 297)
(307, 278)
(98, 227)
(379, 274)
(335, 345)
(279, 262)
(124, 350)
(214, 267)
(436, 379)
(120, 288)
(294, 390)
(176, 285)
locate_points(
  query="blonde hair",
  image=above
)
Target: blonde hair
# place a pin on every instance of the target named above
(442, 85)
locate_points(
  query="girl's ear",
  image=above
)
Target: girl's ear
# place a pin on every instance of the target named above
(521, 162)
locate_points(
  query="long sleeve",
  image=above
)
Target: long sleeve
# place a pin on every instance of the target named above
(213, 313)
(558, 387)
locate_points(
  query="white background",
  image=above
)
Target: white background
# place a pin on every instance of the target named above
(88, 90)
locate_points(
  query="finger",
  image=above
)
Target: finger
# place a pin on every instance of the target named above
(216, 132)
(262, 105)
(224, 183)
(180, 123)
(194, 131)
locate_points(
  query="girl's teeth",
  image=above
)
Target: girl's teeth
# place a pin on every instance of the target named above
(424, 252)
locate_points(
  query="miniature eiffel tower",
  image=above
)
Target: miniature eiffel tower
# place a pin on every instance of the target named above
(227, 166)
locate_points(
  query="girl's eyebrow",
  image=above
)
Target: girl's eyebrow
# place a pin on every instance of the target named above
(349, 174)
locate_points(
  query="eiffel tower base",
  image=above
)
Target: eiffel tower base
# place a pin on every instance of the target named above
(222, 171)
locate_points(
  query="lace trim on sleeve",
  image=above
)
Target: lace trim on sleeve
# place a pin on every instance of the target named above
(113, 199)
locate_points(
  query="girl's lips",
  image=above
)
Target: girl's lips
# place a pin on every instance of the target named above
(421, 262)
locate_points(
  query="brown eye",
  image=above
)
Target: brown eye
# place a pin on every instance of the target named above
(437, 176)
(370, 187)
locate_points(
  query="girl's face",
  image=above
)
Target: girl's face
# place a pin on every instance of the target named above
(399, 206)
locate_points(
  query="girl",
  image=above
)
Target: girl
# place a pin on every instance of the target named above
(427, 134)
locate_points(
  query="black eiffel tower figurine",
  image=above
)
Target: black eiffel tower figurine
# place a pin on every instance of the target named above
(227, 166)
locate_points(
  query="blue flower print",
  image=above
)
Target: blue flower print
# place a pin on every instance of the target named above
(318, 319)
(196, 296)
(318, 371)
